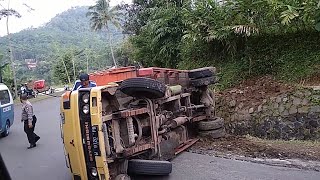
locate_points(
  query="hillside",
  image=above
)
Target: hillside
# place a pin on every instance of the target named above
(68, 34)
(68, 29)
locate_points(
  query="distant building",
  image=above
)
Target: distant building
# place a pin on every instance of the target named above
(31, 63)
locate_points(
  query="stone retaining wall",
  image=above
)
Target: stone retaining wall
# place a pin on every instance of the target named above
(292, 115)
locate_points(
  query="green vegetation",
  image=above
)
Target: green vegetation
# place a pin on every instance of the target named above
(243, 38)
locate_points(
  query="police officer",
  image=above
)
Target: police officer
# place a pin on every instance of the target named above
(29, 120)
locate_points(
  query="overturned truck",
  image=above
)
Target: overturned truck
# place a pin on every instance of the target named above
(136, 120)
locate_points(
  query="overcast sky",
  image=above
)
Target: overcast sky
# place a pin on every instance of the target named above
(44, 10)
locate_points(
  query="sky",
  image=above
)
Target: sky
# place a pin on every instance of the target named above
(43, 11)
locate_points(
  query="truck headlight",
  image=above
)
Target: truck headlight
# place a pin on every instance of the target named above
(94, 172)
(85, 98)
(85, 109)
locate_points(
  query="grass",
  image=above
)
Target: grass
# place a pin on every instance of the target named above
(40, 98)
(301, 143)
(291, 58)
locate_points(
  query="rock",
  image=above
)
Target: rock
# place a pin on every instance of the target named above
(293, 110)
(299, 94)
(241, 105)
(232, 103)
(292, 118)
(305, 101)
(244, 111)
(275, 113)
(231, 119)
(315, 109)
(303, 109)
(296, 101)
(307, 93)
(251, 110)
(314, 123)
(297, 125)
(285, 113)
(313, 115)
(288, 105)
(301, 118)
(281, 108)
(259, 108)
(285, 99)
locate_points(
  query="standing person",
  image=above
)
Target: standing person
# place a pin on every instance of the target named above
(83, 82)
(29, 120)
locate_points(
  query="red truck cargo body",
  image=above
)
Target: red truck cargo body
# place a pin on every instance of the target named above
(166, 75)
(39, 84)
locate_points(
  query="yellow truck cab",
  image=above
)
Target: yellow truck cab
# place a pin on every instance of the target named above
(136, 121)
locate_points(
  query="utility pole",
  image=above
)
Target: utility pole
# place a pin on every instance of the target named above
(11, 57)
(87, 62)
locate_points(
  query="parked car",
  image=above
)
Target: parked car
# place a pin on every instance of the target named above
(6, 110)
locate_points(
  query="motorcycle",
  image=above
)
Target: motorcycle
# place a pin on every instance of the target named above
(30, 93)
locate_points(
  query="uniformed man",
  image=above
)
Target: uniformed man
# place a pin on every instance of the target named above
(29, 120)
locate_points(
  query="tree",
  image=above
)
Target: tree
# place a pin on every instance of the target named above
(7, 12)
(63, 70)
(101, 16)
(124, 53)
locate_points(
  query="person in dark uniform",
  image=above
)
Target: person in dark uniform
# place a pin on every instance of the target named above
(29, 120)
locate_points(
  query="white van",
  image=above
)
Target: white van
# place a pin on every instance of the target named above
(6, 110)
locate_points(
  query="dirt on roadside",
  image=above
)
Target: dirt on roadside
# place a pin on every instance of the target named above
(252, 92)
(258, 148)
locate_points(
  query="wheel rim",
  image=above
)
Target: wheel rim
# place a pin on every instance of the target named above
(7, 129)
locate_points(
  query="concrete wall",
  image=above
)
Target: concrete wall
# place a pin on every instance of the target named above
(291, 115)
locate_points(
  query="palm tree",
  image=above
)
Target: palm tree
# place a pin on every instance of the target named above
(101, 17)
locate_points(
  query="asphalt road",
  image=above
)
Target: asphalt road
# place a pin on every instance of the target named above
(46, 161)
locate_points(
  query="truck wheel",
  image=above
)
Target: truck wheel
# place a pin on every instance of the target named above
(123, 177)
(6, 131)
(215, 134)
(149, 167)
(143, 87)
(202, 72)
(203, 81)
(211, 124)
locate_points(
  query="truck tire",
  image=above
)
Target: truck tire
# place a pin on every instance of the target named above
(201, 72)
(143, 87)
(6, 131)
(149, 167)
(203, 81)
(211, 124)
(215, 134)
